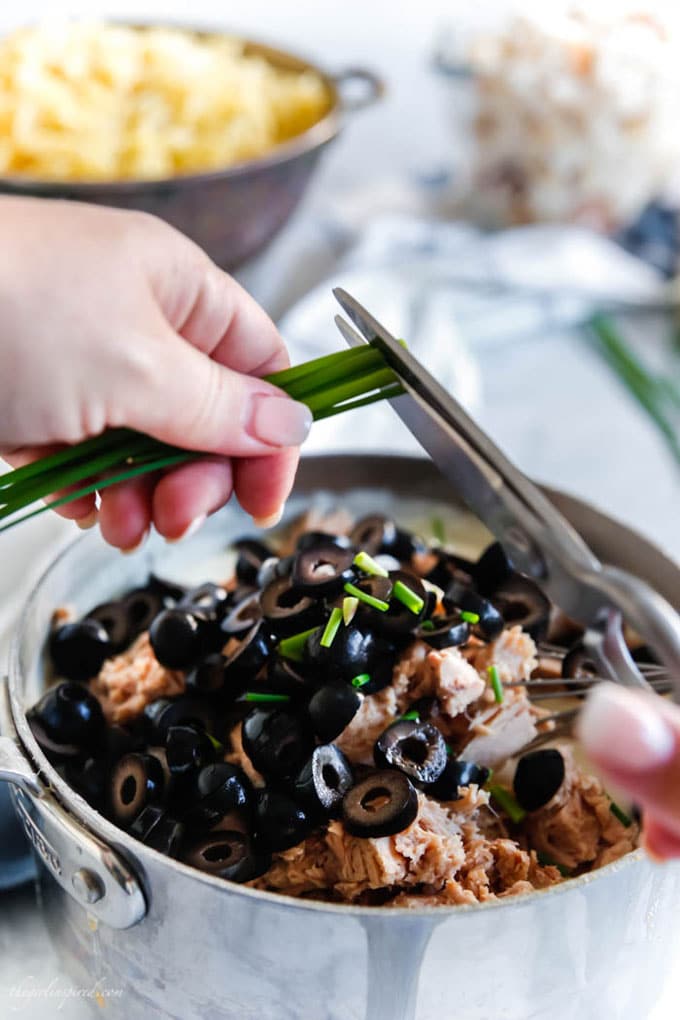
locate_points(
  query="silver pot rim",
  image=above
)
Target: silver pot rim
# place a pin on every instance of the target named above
(134, 851)
(315, 137)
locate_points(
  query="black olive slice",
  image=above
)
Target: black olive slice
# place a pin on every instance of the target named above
(56, 751)
(226, 853)
(137, 780)
(400, 620)
(267, 572)
(374, 534)
(323, 781)
(538, 777)
(242, 616)
(209, 600)
(492, 569)
(68, 713)
(578, 663)
(208, 676)
(522, 602)
(90, 780)
(444, 631)
(248, 659)
(169, 591)
(177, 638)
(354, 651)
(224, 787)
(277, 741)
(381, 804)
(377, 588)
(282, 677)
(322, 570)
(416, 748)
(113, 616)
(142, 606)
(252, 553)
(78, 650)
(309, 539)
(405, 545)
(332, 708)
(163, 713)
(145, 821)
(286, 610)
(280, 822)
(188, 749)
(490, 619)
(450, 568)
(121, 740)
(457, 772)
(166, 836)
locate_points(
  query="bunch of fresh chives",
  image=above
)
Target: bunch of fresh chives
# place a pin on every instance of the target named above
(329, 385)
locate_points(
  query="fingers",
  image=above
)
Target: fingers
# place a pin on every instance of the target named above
(191, 401)
(186, 496)
(214, 313)
(634, 738)
(125, 512)
(263, 484)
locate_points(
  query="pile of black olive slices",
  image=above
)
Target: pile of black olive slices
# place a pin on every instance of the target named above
(291, 652)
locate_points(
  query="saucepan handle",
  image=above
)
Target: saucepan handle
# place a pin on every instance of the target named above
(358, 88)
(94, 874)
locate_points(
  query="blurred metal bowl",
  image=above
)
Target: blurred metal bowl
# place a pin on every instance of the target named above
(235, 212)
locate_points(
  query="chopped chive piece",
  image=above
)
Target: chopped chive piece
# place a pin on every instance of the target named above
(215, 743)
(489, 777)
(427, 625)
(366, 563)
(412, 716)
(331, 628)
(407, 597)
(547, 862)
(496, 684)
(507, 802)
(469, 617)
(263, 698)
(438, 530)
(620, 814)
(361, 680)
(293, 647)
(363, 596)
(350, 604)
(449, 749)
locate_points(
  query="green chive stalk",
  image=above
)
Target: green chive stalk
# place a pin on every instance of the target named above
(329, 385)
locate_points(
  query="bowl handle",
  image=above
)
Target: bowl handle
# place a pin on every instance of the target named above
(358, 88)
(91, 872)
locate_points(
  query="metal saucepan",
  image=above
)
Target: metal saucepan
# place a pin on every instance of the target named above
(235, 212)
(173, 942)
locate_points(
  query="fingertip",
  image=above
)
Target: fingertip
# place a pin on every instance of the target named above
(125, 512)
(263, 484)
(184, 497)
(660, 842)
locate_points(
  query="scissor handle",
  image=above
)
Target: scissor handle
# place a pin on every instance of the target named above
(647, 612)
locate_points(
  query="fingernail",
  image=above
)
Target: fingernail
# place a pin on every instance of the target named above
(269, 522)
(622, 730)
(89, 521)
(133, 548)
(197, 523)
(278, 421)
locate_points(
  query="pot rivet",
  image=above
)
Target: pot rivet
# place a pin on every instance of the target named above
(88, 886)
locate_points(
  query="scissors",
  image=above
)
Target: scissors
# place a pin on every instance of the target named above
(538, 540)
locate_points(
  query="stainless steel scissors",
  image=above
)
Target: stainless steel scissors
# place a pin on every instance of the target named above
(536, 537)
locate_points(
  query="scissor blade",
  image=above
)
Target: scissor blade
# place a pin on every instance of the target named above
(531, 503)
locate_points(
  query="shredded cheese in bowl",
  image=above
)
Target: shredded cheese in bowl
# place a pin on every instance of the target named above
(91, 101)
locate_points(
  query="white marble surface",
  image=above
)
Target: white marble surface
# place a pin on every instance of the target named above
(551, 403)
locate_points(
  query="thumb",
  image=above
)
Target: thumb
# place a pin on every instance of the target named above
(634, 739)
(194, 402)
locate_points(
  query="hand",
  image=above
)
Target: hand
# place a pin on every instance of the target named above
(634, 739)
(112, 319)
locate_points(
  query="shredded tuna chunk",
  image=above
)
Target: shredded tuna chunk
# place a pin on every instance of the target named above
(501, 731)
(577, 827)
(513, 653)
(132, 680)
(237, 756)
(446, 675)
